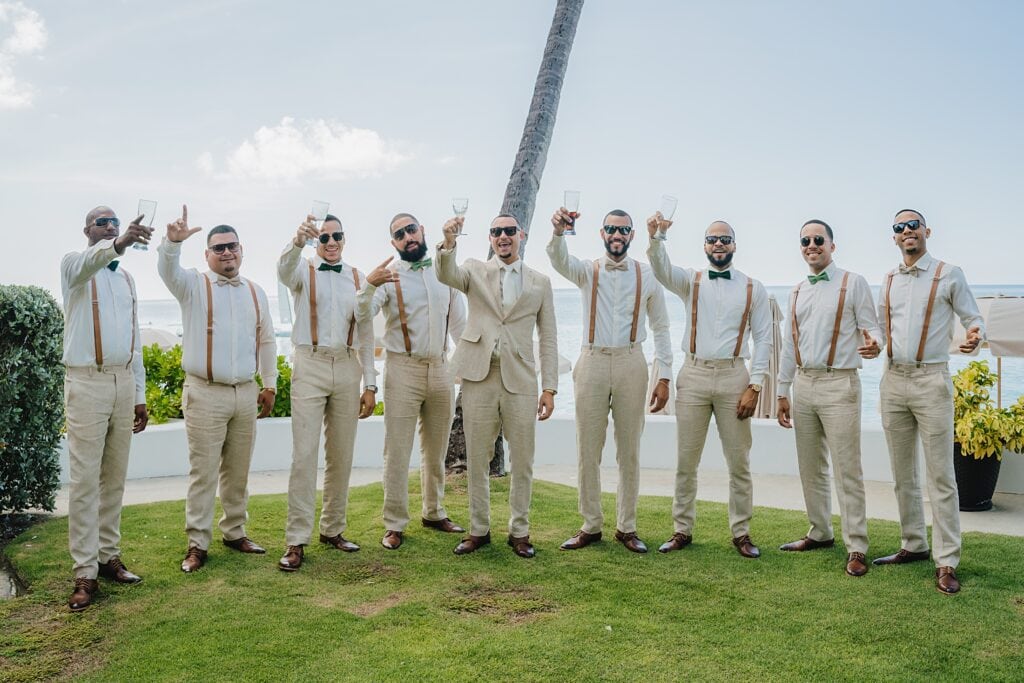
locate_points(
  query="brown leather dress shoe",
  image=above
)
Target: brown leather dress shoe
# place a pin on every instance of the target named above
(946, 581)
(116, 571)
(292, 559)
(244, 545)
(746, 547)
(807, 543)
(446, 525)
(392, 539)
(678, 541)
(856, 564)
(522, 546)
(339, 543)
(83, 594)
(631, 541)
(580, 540)
(194, 559)
(902, 557)
(472, 543)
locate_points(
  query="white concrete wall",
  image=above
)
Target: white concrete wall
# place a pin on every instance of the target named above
(162, 450)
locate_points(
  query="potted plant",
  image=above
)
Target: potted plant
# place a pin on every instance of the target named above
(981, 433)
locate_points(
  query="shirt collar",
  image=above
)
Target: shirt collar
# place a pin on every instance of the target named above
(317, 261)
(516, 266)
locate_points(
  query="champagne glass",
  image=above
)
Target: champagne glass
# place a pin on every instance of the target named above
(147, 209)
(668, 209)
(460, 205)
(319, 213)
(571, 201)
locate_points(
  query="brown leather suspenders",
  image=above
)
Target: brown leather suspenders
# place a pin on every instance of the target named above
(835, 326)
(636, 302)
(743, 321)
(97, 334)
(927, 313)
(209, 325)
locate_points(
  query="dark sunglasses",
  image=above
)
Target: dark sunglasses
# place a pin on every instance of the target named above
(508, 230)
(898, 228)
(410, 229)
(102, 222)
(806, 241)
(621, 229)
(325, 237)
(724, 239)
(229, 246)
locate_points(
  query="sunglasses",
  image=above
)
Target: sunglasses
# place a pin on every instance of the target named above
(806, 241)
(898, 228)
(621, 229)
(102, 222)
(410, 229)
(724, 239)
(326, 237)
(233, 247)
(508, 230)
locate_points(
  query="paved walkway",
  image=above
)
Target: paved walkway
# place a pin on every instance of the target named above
(776, 491)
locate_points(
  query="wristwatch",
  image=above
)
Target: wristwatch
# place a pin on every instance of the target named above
(756, 387)
(550, 391)
(371, 387)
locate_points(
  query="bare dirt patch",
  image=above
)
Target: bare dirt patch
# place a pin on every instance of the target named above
(375, 607)
(513, 605)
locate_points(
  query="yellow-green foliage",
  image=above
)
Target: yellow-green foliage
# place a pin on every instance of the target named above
(982, 429)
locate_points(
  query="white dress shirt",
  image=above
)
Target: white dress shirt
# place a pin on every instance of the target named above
(616, 296)
(335, 307)
(114, 294)
(720, 307)
(909, 297)
(426, 302)
(816, 317)
(511, 283)
(234, 323)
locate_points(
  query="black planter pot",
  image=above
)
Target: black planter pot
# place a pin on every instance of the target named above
(975, 480)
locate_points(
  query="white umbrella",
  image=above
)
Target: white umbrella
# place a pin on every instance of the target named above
(1004, 332)
(766, 401)
(165, 339)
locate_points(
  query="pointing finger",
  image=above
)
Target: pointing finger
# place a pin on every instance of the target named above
(184, 213)
(386, 261)
(138, 219)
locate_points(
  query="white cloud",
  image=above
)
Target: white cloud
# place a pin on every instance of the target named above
(324, 148)
(22, 33)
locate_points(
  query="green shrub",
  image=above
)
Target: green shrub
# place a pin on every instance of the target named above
(164, 380)
(31, 397)
(283, 401)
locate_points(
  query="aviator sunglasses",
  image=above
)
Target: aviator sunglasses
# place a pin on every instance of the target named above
(410, 229)
(623, 230)
(508, 230)
(724, 239)
(102, 222)
(900, 227)
(228, 246)
(806, 241)
(326, 237)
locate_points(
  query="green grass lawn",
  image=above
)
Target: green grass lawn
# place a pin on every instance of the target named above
(601, 613)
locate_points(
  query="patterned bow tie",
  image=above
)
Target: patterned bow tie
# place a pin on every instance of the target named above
(912, 271)
(612, 265)
(233, 281)
(328, 266)
(715, 274)
(815, 279)
(113, 265)
(421, 264)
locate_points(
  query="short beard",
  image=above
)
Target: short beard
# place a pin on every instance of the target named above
(414, 256)
(725, 261)
(608, 248)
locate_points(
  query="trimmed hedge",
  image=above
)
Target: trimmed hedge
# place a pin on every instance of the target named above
(31, 397)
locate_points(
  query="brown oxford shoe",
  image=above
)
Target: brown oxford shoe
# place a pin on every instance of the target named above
(446, 525)
(392, 539)
(580, 540)
(116, 571)
(631, 541)
(856, 564)
(292, 559)
(946, 581)
(902, 557)
(522, 546)
(678, 541)
(472, 543)
(85, 590)
(746, 547)
(244, 545)
(194, 559)
(807, 543)
(340, 543)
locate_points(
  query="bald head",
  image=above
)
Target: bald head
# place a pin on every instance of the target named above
(717, 227)
(96, 213)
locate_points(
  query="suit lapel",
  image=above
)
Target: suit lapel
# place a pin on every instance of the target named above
(528, 286)
(493, 275)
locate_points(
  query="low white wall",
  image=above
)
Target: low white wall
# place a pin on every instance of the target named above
(162, 450)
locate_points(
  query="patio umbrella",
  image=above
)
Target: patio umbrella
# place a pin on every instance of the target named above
(766, 400)
(1004, 332)
(155, 335)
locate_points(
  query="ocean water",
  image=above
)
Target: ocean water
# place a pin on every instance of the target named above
(165, 314)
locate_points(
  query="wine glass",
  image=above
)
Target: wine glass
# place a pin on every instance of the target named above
(147, 209)
(460, 205)
(668, 209)
(319, 213)
(571, 201)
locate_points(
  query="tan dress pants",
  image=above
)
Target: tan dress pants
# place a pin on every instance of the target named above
(705, 388)
(487, 407)
(325, 395)
(220, 422)
(417, 390)
(100, 405)
(918, 403)
(826, 417)
(612, 379)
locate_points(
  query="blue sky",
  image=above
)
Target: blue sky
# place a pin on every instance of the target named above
(762, 114)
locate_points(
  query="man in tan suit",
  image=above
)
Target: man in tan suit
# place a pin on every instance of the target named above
(494, 358)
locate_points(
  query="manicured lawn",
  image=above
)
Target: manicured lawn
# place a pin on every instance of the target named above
(601, 613)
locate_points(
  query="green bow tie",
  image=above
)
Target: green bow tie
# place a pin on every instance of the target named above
(113, 265)
(715, 274)
(328, 266)
(421, 264)
(815, 279)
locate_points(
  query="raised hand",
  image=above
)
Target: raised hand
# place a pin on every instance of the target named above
(973, 339)
(307, 231)
(657, 222)
(382, 273)
(562, 221)
(451, 230)
(782, 411)
(136, 233)
(870, 349)
(178, 231)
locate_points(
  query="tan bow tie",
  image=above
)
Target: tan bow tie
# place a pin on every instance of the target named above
(612, 265)
(233, 281)
(909, 270)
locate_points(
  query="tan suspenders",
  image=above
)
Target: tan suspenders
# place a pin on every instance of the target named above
(743, 321)
(636, 302)
(835, 326)
(927, 313)
(209, 325)
(97, 335)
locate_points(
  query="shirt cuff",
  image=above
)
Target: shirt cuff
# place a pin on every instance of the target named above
(170, 247)
(140, 397)
(757, 379)
(784, 388)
